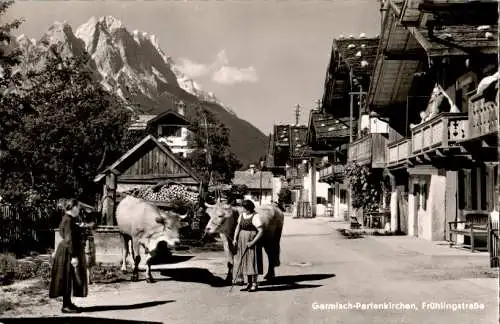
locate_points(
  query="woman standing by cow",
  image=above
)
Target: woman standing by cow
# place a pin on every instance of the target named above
(247, 235)
(69, 274)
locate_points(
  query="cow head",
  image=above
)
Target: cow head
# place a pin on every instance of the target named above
(221, 218)
(169, 236)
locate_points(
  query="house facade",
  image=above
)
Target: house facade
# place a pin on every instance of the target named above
(291, 159)
(170, 127)
(341, 118)
(260, 185)
(424, 117)
(441, 109)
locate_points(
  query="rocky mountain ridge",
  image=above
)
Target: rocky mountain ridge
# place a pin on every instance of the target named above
(133, 65)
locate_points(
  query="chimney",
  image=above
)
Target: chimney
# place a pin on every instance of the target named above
(180, 107)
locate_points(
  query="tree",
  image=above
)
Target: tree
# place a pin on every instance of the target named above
(214, 155)
(10, 82)
(68, 128)
(367, 187)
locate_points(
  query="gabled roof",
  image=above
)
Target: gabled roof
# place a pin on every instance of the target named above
(140, 122)
(282, 135)
(349, 55)
(252, 181)
(298, 140)
(327, 126)
(359, 54)
(115, 167)
(170, 116)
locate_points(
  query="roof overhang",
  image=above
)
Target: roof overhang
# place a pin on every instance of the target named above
(400, 55)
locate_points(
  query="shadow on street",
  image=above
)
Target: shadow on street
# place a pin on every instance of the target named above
(170, 259)
(198, 275)
(292, 279)
(72, 319)
(102, 308)
(291, 286)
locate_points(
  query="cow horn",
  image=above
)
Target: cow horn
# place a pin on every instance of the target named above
(183, 216)
(208, 205)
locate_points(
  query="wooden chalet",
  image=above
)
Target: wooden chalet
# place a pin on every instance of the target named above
(435, 85)
(147, 163)
(339, 120)
(170, 127)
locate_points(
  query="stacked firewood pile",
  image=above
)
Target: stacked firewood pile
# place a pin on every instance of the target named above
(167, 193)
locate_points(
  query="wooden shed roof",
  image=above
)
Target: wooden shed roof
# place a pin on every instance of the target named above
(131, 154)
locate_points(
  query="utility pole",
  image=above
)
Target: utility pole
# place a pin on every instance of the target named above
(297, 114)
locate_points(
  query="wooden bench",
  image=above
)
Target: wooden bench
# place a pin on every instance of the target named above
(475, 226)
(354, 223)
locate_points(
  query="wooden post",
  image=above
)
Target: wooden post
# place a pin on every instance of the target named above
(313, 187)
(109, 199)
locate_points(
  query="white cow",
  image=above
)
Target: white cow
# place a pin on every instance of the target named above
(144, 224)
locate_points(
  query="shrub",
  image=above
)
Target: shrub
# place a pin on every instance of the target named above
(8, 264)
(25, 270)
(44, 271)
(106, 273)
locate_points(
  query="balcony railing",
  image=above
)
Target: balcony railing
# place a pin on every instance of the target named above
(369, 150)
(360, 151)
(331, 171)
(483, 117)
(442, 131)
(297, 182)
(398, 151)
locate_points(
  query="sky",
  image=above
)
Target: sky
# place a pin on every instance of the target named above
(259, 57)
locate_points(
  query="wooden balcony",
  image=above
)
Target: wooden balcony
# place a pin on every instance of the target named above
(368, 150)
(439, 138)
(296, 183)
(398, 153)
(332, 173)
(483, 118)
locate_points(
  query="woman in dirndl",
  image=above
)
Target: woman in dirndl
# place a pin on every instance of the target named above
(247, 239)
(69, 274)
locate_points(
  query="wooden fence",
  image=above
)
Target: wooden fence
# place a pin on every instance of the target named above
(26, 230)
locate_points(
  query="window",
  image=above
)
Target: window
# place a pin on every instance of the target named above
(343, 196)
(168, 131)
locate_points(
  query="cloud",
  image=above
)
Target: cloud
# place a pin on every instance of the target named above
(193, 69)
(231, 75)
(220, 70)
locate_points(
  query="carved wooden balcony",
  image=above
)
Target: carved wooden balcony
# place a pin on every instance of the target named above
(483, 117)
(368, 150)
(398, 153)
(439, 137)
(332, 173)
(297, 183)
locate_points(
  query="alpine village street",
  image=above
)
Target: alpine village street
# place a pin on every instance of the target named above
(373, 175)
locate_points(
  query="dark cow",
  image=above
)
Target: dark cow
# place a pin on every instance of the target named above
(144, 224)
(223, 221)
